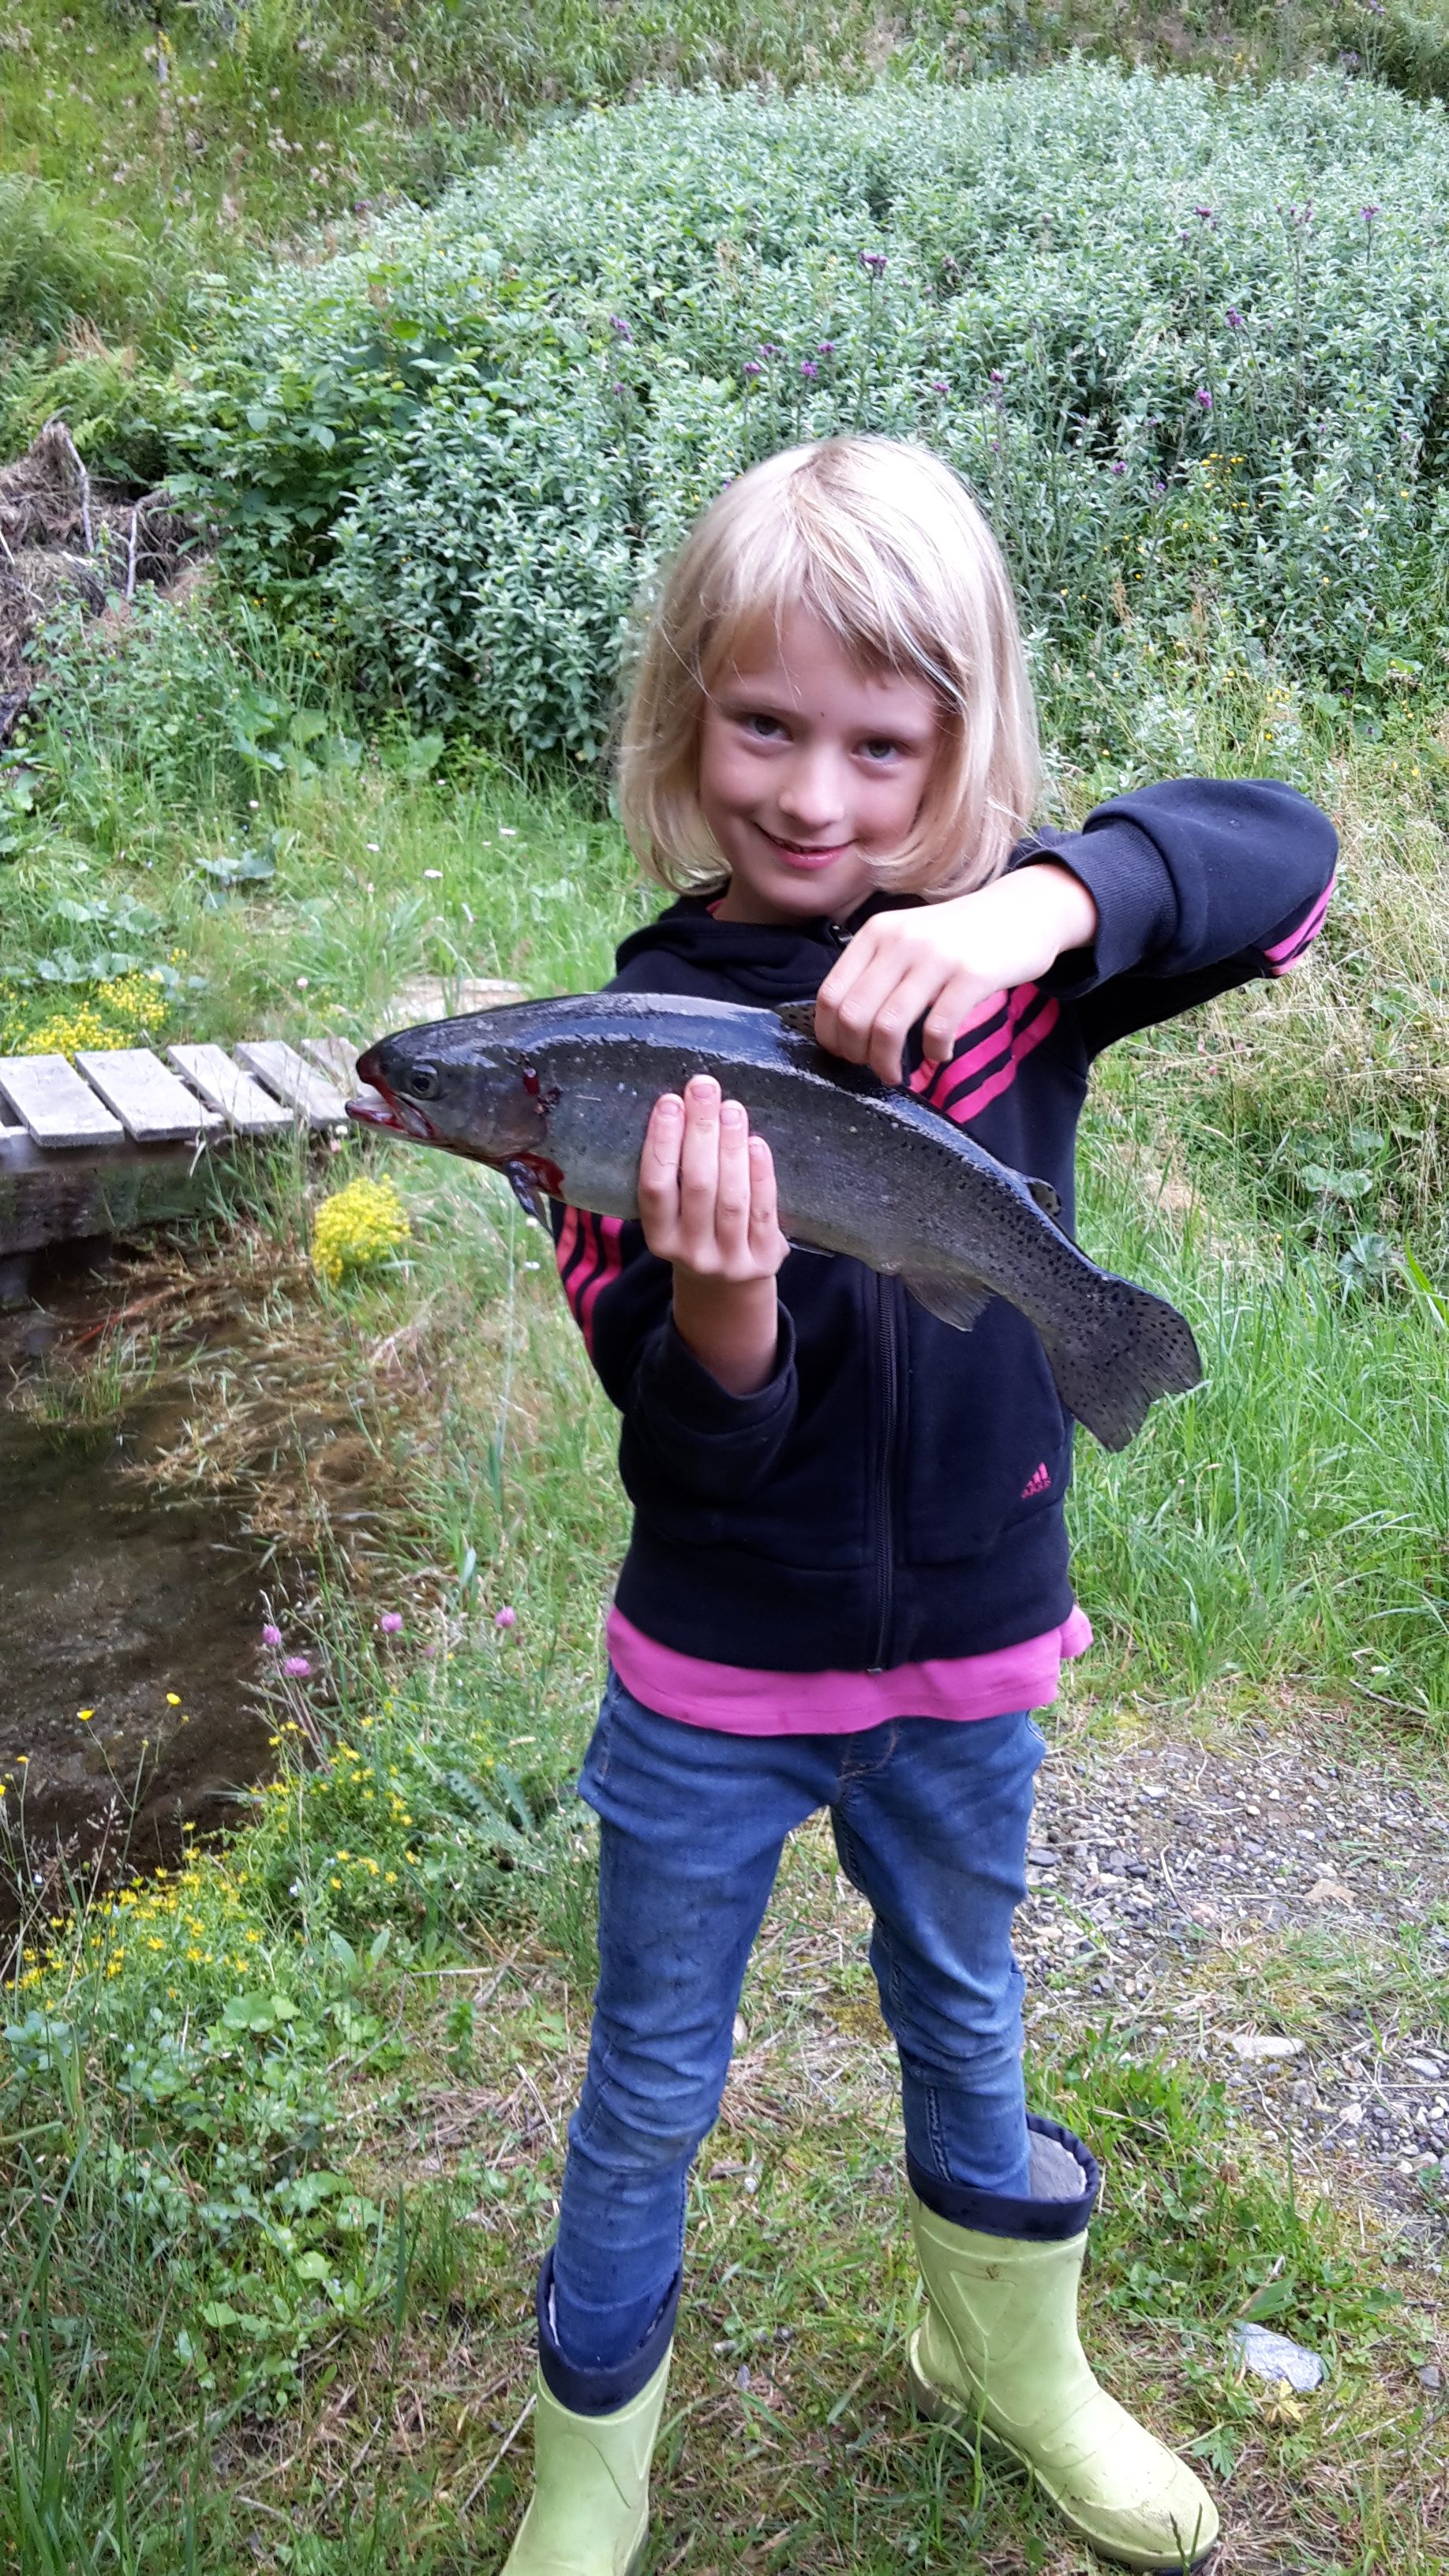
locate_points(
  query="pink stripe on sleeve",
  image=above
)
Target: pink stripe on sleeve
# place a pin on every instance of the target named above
(609, 1235)
(968, 1104)
(1286, 952)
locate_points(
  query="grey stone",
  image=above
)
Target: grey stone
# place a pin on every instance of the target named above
(1277, 2357)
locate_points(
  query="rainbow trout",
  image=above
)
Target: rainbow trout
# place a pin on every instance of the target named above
(557, 1094)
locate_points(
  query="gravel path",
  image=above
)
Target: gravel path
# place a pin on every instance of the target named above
(1280, 1907)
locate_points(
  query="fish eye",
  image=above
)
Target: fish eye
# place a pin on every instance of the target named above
(424, 1082)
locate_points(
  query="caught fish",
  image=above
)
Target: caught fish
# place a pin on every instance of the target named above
(558, 1094)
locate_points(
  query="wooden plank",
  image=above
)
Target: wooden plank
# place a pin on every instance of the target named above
(51, 1198)
(336, 1058)
(222, 1085)
(152, 1105)
(54, 1105)
(300, 1085)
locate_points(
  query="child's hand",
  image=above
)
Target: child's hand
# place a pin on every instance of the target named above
(707, 1204)
(940, 961)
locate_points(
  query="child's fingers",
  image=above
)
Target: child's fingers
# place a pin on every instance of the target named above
(699, 1164)
(732, 1198)
(767, 1244)
(948, 1015)
(659, 1173)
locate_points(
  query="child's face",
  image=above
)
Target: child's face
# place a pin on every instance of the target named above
(808, 770)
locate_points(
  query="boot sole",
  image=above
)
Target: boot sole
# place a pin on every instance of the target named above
(929, 2402)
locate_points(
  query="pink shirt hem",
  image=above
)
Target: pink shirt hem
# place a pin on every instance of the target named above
(735, 1700)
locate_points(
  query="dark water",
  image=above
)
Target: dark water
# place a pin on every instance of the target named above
(115, 1598)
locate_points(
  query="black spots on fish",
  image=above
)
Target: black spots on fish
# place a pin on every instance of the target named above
(1136, 1348)
(799, 1019)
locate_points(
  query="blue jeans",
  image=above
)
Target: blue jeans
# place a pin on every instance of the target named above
(930, 1822)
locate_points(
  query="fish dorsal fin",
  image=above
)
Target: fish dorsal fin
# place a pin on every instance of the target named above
(1047, 1199)
(957, 1299)
(799, 1019)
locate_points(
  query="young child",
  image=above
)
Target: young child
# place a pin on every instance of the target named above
(847, 1585)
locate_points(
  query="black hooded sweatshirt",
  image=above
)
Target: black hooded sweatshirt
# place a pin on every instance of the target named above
(895, 1493)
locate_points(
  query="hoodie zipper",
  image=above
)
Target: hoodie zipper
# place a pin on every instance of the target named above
(885, 1300)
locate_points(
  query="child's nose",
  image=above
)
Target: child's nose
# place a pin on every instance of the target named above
(811, 793)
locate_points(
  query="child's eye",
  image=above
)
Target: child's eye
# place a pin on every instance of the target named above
(764, 728)
(880, 747)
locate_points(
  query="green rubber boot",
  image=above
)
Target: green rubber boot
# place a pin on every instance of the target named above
(999, 2354)
(589, 2514)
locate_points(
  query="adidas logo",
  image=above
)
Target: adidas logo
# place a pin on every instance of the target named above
(1037, 1483)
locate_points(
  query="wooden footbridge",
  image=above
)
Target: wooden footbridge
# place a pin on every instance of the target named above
(122, 1138)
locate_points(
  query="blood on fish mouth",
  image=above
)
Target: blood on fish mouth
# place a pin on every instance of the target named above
(382, 1108)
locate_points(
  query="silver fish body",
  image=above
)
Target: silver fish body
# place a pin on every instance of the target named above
(559, 1093)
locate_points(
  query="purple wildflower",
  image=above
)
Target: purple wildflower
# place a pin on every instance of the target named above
(391, 1623)
(505, 1618)
(617, 323)
(1205, 398)
(1159, 487)
(996, 376)
(271, 1636)
(1118, 466)
(1205, 214)
(1235, 319)
(753, 368)
(875, 261)
(769, 349)
(297, 1668)
(1368, 213)
(809, 370)
(618, 386)
(826, 349)
(939, 385)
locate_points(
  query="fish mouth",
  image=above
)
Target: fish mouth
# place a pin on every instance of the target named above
(378, 1106)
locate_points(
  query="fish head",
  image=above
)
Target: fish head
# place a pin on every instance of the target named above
(446, 1083)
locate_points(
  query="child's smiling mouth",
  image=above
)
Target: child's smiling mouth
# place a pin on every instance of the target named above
(805, 854)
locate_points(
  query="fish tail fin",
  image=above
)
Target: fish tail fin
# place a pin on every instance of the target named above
(1139, 1347)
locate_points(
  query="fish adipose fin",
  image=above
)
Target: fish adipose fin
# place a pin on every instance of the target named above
(1140, 1348)
(952, 1295)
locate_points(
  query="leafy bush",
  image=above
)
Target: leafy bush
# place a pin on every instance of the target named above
(1188, 345)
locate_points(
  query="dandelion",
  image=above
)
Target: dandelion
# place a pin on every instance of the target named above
(173, 1699)
(271, 1634)
(505, 1618)
(297, 1668)
(390, 1623)
(85, 1715)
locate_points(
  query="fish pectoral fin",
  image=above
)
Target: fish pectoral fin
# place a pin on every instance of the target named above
(1047, 1199)
(526, 1190)
(953, 1295)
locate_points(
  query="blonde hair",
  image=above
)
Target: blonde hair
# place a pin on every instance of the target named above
(884, 545)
